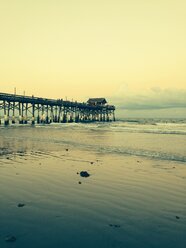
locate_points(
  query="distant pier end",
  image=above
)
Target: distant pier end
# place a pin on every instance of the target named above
(29, 109)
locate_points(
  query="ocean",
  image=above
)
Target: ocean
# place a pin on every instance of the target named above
(133, 197)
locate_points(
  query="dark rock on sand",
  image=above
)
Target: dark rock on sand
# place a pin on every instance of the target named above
(84, 174)
(79, 182)
(116, 226)
(10, 239)
(91, 162)
(67, 150)
(20, 205)
(177, 217)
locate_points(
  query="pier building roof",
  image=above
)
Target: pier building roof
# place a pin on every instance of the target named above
(97, 101)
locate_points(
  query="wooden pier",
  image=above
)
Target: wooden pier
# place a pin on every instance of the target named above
(29, 109)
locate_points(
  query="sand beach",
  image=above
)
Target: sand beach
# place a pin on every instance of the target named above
(134, 195)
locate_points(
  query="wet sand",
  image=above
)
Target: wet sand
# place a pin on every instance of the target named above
(127, 201)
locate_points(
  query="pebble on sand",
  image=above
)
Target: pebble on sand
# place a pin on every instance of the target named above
(79, 182)
(10, 239)
(91, 162)
(84, 174)
(20, 205)
(116, 226)
(177, 217)
(67, 149)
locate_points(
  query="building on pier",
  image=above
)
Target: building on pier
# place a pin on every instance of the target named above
(30, 109)
(97, 101)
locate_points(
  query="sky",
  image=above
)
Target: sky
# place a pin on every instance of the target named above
(130, 51)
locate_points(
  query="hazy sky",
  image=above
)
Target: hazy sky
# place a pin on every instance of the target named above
(131, 51)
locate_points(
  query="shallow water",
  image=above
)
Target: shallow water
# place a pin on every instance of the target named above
(134, 197)
(164, 141)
